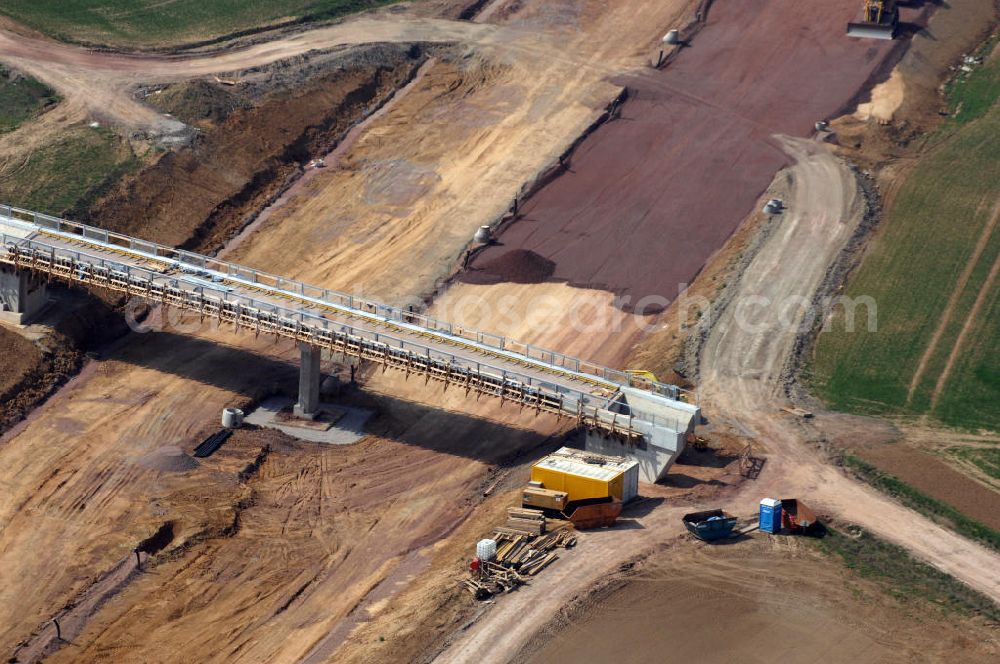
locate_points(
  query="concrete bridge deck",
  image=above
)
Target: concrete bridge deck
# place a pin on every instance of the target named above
(607, 401)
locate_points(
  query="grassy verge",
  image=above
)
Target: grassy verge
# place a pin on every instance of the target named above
(902, 576)
(986, 459)
(68, 173)
(921, 502)
(21, 98)
(972, 94)
(154, 23)
(927, 241)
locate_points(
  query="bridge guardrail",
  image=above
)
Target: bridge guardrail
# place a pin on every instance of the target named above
(253, 276)
(313, 328)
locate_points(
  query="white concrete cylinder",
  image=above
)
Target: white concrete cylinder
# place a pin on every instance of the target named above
(232, 417)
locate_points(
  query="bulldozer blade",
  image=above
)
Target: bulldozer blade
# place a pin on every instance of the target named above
(871, 31)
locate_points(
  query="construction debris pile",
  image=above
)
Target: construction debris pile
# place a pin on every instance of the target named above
(519, 550)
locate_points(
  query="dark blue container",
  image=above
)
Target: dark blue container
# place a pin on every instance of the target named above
(710, 525)
(770, 515)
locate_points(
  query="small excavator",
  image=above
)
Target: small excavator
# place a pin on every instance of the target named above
(879, 21)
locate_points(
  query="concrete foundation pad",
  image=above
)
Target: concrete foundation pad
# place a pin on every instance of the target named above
(333, 425)
(322, 419)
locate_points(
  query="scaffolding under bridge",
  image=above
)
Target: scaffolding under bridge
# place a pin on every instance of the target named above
(411, 342)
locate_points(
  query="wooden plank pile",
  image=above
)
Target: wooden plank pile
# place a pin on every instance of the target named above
(528, 521)
(528, 553)
(519, 555)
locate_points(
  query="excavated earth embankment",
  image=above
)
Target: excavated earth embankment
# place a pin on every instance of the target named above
(254, 138)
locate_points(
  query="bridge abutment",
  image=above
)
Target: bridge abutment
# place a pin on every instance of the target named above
(22, 295)
(665, 425)
(309, 377)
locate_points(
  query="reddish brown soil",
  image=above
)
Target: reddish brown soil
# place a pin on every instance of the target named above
(937, 479)
(19, 356)
(519, 266)
(667, 182)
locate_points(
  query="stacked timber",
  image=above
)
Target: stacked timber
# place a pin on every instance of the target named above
(522, 551)
(527, 521)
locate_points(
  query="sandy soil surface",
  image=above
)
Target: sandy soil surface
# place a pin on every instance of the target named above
(324, 525)
(763, 600)
(668, 183)
(416, 197)
(86, 500)
(578, 321)
(298, 547)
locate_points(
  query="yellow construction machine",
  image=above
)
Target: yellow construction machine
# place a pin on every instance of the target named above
(642, 375)
(879, 21)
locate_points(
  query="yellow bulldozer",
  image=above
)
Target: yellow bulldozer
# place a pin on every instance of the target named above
(879, 21)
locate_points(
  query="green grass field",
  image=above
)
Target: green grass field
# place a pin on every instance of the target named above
(985, 458)
(21, 98)
(69, 173)
(149, 23)
(944, 213)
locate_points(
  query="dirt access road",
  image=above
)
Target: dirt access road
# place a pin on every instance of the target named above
(101, 83)
(741, 367)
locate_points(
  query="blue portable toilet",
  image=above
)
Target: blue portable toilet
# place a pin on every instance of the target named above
(770, 515)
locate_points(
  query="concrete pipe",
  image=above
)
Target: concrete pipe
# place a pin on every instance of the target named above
(483, 235)
(232, 417)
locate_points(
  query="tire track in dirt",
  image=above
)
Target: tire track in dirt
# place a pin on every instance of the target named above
(73, 619)
(969, 322)
(949, 310)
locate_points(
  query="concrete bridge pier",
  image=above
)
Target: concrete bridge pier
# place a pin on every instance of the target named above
(22, 295)
(309, 377)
